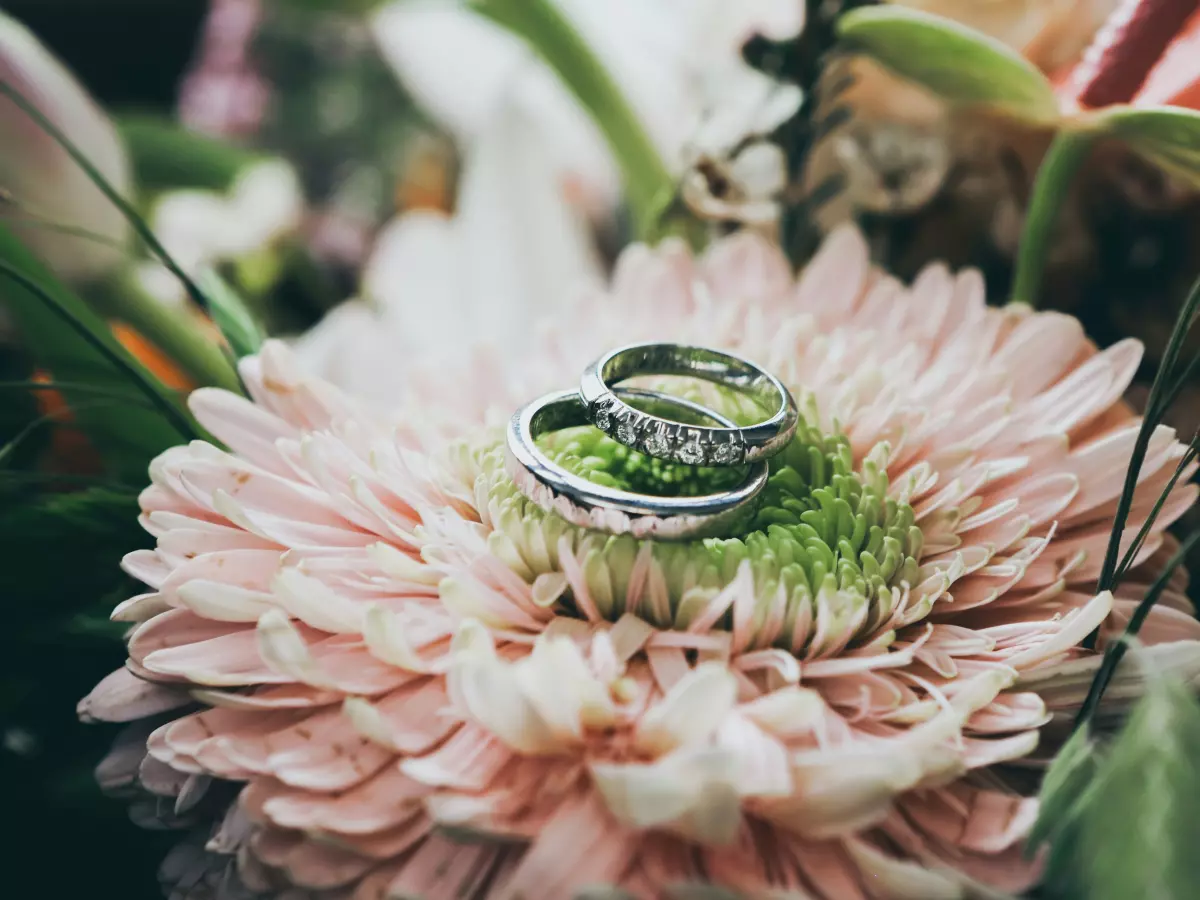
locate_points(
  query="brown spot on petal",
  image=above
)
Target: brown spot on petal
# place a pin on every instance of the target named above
(276, 387)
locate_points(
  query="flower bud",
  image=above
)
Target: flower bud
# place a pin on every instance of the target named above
(42, 186)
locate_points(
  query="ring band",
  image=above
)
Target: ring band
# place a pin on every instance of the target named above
(692, 445)
(601, 508)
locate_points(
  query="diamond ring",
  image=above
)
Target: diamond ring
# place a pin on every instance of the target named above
(590, 505)
(727, 445)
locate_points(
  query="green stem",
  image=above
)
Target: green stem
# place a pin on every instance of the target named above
(647, 178)
(170, 329)
(1116, 650)
(1066, 154)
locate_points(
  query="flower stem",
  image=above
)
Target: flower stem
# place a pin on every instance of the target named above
(1116, 650)
(1067, 152)
(170, 329)
(568, 54)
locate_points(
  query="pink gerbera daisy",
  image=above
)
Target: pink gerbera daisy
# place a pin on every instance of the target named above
(368, 667)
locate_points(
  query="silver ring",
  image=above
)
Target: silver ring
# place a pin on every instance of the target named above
(601, 508)
(676, 441)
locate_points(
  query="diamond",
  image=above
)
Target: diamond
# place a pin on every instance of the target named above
(725, 454)
(603, 416)
(627, 432)
(657, 444)
(692, 453)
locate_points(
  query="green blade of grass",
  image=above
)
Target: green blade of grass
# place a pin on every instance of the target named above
(1116, 651)
(1154, 410)
(1131, 554)
(153, 390)
(167, 156)
(135, 220)
(71, 342)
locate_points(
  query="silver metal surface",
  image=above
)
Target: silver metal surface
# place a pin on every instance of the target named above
(692, 445)
(601, 508)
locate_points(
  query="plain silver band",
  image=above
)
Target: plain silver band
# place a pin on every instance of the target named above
(601, 508)
(689, 444)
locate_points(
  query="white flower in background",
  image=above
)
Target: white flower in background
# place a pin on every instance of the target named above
(40, 180)
(892, 155)
(535, 165)
(206, 228)
(674, 60)
(513, 251)
(734, 172)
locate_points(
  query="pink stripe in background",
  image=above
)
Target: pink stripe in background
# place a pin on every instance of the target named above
(224, 95)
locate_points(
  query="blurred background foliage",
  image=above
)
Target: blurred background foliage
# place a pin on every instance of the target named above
(67, 532)
(131, 54)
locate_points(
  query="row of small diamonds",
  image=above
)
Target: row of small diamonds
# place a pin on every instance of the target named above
(663, 442)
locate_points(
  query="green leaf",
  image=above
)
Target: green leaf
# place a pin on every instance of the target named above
(1140, 833)
(63, 554)
(1167, 136)
(1067, 152)
(1070, 772)
(1063, 803)
(231, 315)
(544, 27)
(958, 64)
(74, 344)
(166, 156)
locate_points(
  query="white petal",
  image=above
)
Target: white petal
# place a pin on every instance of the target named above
(224, 602)
(266, 202)
(789, 712)
(528, 251)
(690, 712)
(193, 225)
(691, 792)
(426, 43)
(901, 880)
(402, 566)
(345, 349)
(414, 278)
(1076, 626)
(283, 649)
(368, 721)
(313, 603)
(568, 697)
(383, 632)
(493, 697)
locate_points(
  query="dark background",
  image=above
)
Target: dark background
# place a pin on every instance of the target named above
(64, 839)
(130, 53)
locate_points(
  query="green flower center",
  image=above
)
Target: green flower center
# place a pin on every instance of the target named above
(826, 541)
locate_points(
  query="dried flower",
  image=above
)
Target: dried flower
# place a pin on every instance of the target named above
(427, 687)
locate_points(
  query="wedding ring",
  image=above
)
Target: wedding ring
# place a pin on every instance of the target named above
(595, 506)
(692, 445)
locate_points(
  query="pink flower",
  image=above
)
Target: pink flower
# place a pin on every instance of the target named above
(420, 685)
